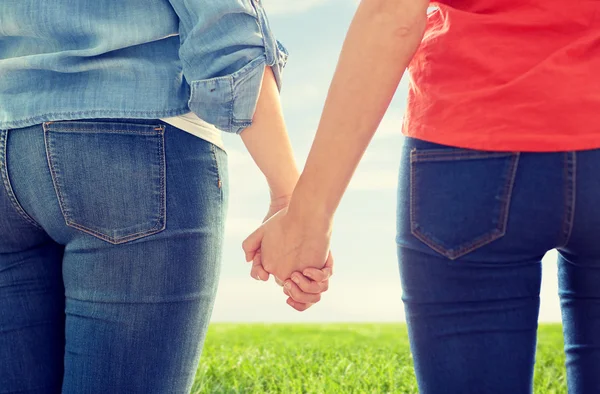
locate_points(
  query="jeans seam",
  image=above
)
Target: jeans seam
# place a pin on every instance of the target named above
(570, 196)
(53, 173)
(494, 234)
(185, 298)
(7, 184)
(36, 324)
(162, 220)
(163, 178)
(216, 161)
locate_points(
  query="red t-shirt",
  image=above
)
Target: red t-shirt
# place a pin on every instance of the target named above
(508, 75)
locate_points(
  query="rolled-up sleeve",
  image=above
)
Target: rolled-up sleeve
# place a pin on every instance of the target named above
(225, 46)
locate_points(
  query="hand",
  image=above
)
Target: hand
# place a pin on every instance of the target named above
(257, 271)
(305, 288)
(311, 280)
(285, 244)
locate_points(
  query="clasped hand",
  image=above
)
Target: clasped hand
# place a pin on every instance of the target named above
(296, 253)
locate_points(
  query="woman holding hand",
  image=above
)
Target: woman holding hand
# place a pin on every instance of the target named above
(114, 183)
(499, 166)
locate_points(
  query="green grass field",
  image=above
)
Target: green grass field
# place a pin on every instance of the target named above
(334, 358)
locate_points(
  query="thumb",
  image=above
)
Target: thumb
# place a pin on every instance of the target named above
(252, 243)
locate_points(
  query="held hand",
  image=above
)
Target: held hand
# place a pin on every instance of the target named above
(257, 271)
(289, 244)
(310, 281)
(303, 285)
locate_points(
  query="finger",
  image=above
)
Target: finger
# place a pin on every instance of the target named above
(300, 307)
(321, 275)
(300, 296)
(252, 243)
(309, 286)
(278, 281)
(257, 271)
(316, 275)
(249, 256)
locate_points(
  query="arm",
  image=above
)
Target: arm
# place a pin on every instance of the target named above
(380, 44)
(233, 64)
(269, 145)
(226, 46)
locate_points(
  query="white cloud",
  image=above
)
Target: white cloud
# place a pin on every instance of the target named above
(383, 179)
(290, 6)
(550, 303)
(302, 96)
(369, 299)
(240, 226)
(391, 124)
(246, 300)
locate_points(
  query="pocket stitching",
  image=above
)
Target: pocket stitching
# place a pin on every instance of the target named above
(439, 155)
(493, 235)
(68, 126)
(161, 222)
(116, 240)
(64, 130)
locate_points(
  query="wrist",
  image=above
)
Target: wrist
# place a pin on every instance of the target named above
(309, 210)
(280, 201)
(281, 190)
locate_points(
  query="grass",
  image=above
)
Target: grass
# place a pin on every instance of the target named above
(334, 358)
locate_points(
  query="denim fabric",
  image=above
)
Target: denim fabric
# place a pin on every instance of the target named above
(110, 248)
(74, 59)
(473, 227)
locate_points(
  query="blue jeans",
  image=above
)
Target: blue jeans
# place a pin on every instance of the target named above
(473, 227)
(110, 248)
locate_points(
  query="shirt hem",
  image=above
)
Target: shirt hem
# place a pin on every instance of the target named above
(524, 143)
(91, 114)
(212, 136)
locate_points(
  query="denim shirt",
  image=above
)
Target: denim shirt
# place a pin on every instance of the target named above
(77, 59)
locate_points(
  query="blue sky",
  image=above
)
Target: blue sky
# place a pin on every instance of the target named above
(366, 285)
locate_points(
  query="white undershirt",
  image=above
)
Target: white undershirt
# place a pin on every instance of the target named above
(191, 123)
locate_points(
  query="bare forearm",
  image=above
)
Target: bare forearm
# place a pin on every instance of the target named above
(268, 142)
(380, 44)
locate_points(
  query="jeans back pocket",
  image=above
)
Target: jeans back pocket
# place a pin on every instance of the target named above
(109, 176)
(459, 198)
